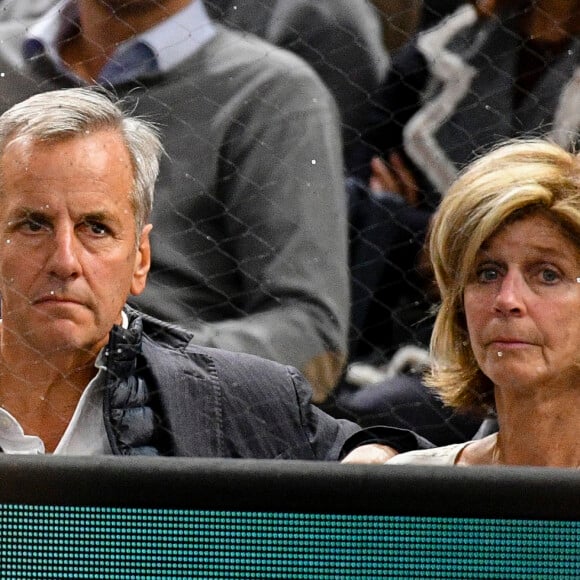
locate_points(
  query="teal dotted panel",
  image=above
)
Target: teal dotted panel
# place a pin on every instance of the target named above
(119, 544)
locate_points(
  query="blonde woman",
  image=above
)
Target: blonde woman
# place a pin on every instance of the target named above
(505, 247)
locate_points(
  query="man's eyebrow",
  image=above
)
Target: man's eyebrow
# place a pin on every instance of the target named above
(29, 212)
(97, 216)
(103, 216)
(44, 214)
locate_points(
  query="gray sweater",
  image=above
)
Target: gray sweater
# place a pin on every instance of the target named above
(249, 238)
(341, 39)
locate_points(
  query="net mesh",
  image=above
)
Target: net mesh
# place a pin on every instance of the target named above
(295, 215)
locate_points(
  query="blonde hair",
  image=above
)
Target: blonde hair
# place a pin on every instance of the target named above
(516, 178)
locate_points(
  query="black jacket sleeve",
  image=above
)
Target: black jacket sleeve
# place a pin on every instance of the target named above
(400, 439)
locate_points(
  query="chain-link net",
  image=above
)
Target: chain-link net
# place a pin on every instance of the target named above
(308, 143)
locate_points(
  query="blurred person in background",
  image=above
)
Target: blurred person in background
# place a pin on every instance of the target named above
(341, 39)
(491, 70)
(250, 236)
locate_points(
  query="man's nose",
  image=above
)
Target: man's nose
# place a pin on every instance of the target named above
(63, 261)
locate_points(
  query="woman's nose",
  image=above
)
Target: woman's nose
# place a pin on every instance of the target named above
(510, 296)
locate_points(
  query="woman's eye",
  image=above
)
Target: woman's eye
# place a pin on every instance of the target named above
(548, 275)
(487, 275)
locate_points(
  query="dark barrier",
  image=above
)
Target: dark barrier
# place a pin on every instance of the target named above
(144, 518)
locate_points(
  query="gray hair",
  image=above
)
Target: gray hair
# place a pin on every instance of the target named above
(55, 115)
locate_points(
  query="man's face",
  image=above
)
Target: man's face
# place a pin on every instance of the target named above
(68, 257)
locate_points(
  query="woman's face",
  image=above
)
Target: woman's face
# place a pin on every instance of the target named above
(522, 305)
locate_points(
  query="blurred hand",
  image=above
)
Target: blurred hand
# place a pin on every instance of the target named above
(394, 176)
(373, 453)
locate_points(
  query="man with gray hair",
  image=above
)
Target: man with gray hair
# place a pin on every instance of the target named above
(81, 372)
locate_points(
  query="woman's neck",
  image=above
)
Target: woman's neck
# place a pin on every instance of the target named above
(539, 430)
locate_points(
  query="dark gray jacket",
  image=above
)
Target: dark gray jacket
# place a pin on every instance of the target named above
(167, 396)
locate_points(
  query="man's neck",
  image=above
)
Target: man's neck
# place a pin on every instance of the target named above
(103, 28)
(552, 21)
(545, 21)
(42, 392)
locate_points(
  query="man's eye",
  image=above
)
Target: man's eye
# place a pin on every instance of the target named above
(32, 225)
(97, 228)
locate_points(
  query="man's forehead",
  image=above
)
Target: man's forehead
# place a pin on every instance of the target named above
(24, 144)
(91, 167)
(97, 151)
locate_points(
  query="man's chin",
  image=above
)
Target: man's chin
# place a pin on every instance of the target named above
(66, 336)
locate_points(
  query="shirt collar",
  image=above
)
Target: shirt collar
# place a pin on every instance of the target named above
(157, 50)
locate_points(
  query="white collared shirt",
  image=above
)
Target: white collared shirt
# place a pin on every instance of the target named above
(159, 49)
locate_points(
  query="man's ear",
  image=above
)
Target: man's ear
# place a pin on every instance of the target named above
(142, 262)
